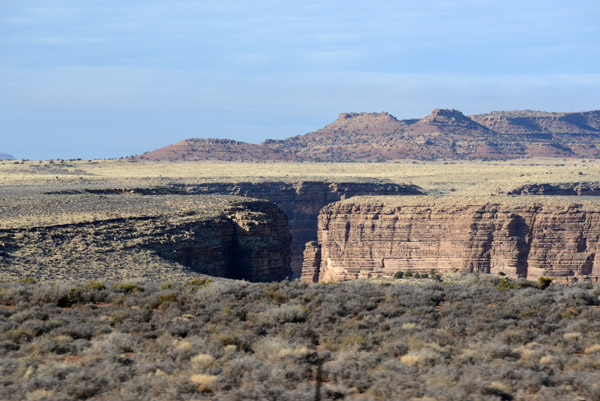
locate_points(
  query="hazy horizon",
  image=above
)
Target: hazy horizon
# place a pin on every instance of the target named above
(102, 79)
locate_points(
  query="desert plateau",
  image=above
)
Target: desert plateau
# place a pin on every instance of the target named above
(281, 280)
(300, 200)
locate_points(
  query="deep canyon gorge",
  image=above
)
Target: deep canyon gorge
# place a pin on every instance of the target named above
(317, 229)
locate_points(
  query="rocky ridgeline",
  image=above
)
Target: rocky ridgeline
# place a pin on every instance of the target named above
(532, 122)
(301, 201)
(444, 134)
(526, 237)
(132, 237)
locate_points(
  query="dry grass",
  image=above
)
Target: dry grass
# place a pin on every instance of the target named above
(439, 177)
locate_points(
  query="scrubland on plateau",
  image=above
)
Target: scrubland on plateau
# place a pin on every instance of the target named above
(437, 177)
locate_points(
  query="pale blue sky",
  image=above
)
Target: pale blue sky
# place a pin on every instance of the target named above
(108, 78)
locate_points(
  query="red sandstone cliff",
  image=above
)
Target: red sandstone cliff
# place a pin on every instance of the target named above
(521, 237)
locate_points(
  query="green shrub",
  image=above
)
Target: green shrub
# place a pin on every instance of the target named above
(275, 295)
(18, 335)
(73, 296)
(95, 286)
(398, 275)
(197, 283)
(433, 275)
(167, 286)
(353, 340)
(27, 280)
(232, 339)
(543, 282)
(128, 287)
(168, 297)
(506, 284)
(408, 274)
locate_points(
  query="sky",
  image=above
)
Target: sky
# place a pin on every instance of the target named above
(113, 78)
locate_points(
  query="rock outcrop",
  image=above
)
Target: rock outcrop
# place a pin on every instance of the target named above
(566, 188)
(524, 237)
(311, 262)
(134, 237)
(301, 201)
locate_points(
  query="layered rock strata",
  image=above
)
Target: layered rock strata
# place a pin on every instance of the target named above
(135, 237)
(311, 263)
(301, 201)
(525, 237)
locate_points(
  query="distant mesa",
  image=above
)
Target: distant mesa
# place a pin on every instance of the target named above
(6, 156)
(374, 116)
(444, 134)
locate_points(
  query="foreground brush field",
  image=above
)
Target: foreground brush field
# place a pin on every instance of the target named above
(458, 337)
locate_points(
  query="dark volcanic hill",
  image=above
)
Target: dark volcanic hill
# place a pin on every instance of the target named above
(444, 134)
(6, 156)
